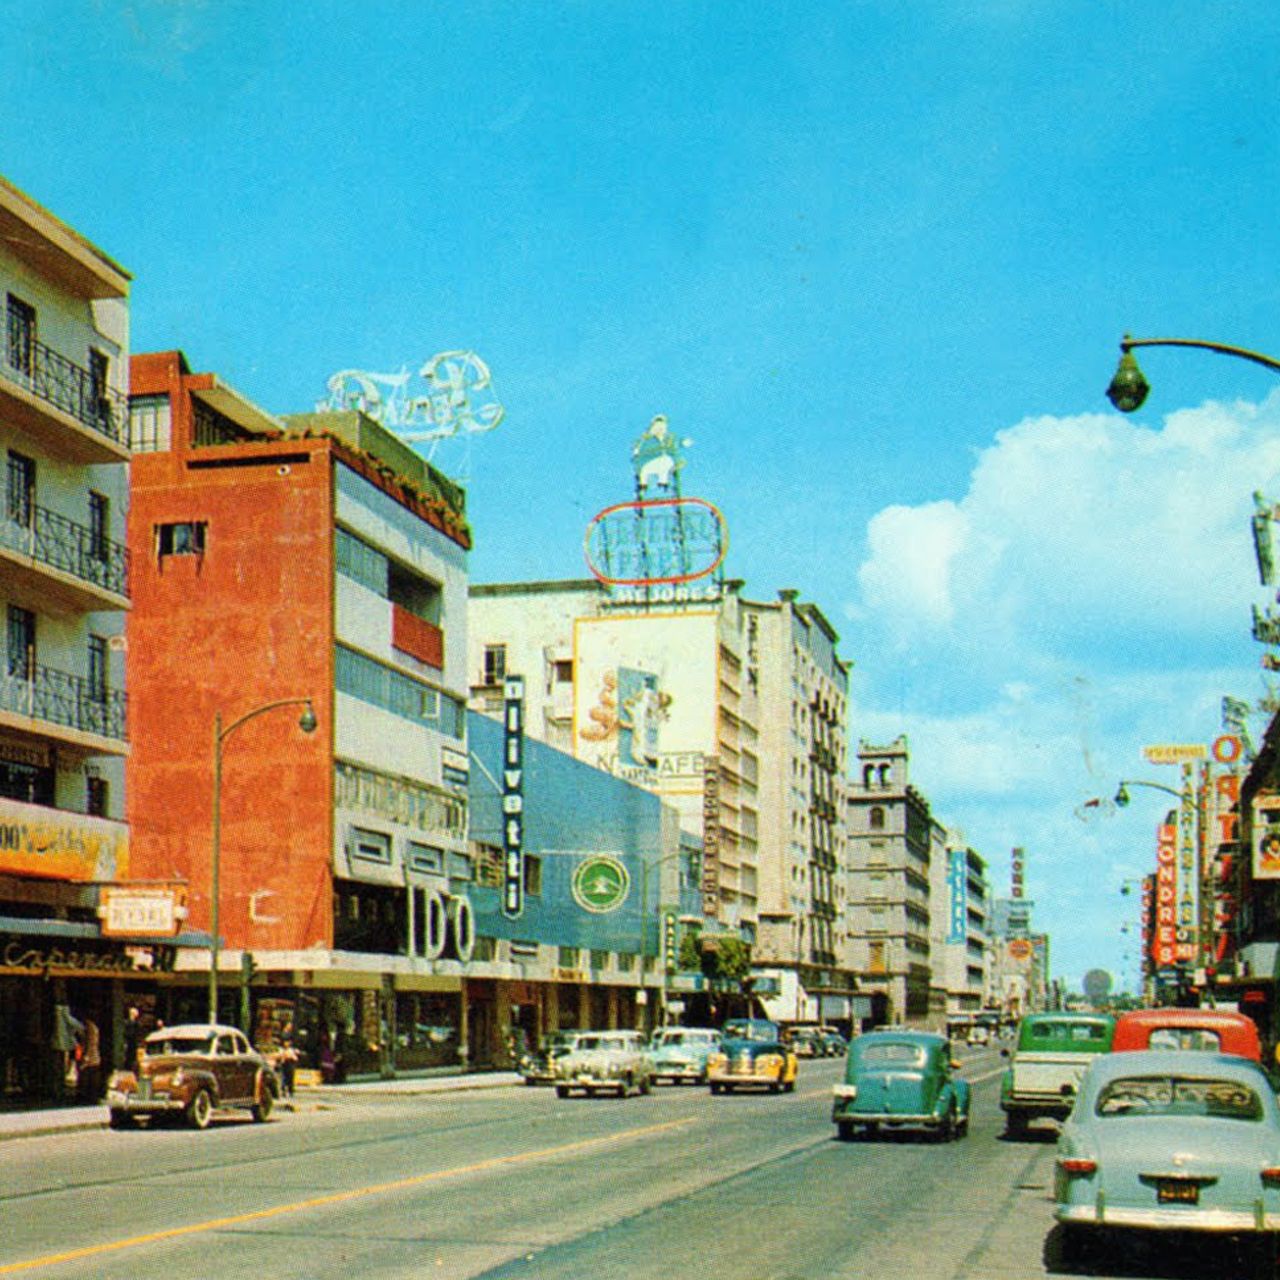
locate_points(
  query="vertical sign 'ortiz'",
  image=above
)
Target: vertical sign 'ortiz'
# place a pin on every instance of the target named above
(513, 797)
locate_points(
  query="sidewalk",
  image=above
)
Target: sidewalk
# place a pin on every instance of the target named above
(30, 1124)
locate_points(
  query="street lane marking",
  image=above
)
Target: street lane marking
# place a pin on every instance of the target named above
(337, 1197)
(990, 1075)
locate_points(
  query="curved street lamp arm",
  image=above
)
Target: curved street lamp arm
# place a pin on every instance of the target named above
(224, 731)
(1155, 786)
(1127, 343)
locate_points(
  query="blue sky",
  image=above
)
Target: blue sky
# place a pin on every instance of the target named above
(874, 258)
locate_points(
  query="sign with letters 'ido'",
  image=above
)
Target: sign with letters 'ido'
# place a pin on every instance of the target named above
(513, 797)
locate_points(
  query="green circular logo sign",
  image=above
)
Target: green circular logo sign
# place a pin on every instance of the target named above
(600, 884)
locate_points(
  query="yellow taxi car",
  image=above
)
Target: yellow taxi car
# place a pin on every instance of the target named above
(752, 1055)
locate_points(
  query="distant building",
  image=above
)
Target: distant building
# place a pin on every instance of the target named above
(962, 933)
(890, 853)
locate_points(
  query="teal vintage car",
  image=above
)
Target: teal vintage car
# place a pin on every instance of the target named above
(901, 1079)
(679, 1054)
(1050, 1058)
(1169, 1140)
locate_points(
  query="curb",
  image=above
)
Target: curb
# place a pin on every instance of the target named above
(38, 1124)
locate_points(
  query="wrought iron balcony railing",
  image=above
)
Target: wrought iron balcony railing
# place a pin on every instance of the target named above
(59, 697)
(53, 540)
(56, 380)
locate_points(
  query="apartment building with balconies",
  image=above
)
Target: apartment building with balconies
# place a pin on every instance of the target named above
(65, 583)
(802, 685)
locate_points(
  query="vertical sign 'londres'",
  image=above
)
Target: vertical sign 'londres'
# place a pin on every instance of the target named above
(513, 797)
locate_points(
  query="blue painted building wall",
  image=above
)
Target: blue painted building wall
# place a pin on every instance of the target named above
(570, 812)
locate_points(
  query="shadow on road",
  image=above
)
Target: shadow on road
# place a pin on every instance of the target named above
(1158, 1255)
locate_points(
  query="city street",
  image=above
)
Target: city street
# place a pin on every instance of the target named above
(515, 1182)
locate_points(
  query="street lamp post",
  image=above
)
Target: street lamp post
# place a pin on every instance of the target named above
(307, 723)
(1129, 388)
(645, 866)
(1190, 813)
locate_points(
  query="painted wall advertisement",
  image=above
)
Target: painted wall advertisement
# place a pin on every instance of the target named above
(646, 690)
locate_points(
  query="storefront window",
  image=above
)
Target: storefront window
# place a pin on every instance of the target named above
(426, 1030)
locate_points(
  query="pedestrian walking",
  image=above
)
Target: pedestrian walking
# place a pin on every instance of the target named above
(90, 1083)
(287, 1059)
(132, 1038)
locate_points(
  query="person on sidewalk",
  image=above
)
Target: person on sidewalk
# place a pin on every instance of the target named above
(90, 1082)
(287, 1059)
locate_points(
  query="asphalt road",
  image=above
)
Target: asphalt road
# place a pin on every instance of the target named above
(514, 1182)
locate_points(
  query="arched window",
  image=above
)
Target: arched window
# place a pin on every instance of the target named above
(868, 776)
(876, 818)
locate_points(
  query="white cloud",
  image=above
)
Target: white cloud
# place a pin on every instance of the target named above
(912, 550)
(1073, 525)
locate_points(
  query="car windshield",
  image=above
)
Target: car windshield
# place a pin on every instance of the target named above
(1179, 1096)
(751, 1030)
(600, 1042)
(892, 1055)
(1073, 1032)
(167, 1045)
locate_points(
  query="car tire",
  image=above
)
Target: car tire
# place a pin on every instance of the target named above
(262, 1108)
(200, 1109)
(562, 1091)
(846, 1130)
(947, 1129)
(646, 1086)
(122, 1119)
(789, 1087)
(716, 1088)
(1015, 1124)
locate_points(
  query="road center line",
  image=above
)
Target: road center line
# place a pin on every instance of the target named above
(337, 1197)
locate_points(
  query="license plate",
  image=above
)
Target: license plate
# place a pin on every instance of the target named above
(1172, 1191)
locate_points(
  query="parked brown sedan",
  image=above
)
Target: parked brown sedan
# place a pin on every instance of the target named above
(191, 1071)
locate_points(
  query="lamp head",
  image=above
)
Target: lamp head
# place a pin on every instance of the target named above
(1122, 796)
(1128, 388)
(307, 721)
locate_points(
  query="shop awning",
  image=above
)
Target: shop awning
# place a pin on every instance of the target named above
(84, 931)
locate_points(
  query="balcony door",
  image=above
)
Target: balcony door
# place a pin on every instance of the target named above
(21, 501)
(21, 352)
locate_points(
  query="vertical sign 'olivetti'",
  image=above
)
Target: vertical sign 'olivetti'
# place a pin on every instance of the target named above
(513, 797)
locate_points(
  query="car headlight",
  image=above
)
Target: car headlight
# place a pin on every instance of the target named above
(717, 1060)
(769, 1062)
(846, 1091)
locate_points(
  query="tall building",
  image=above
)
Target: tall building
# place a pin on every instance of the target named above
(285, 565)
(890, 855)
(802, 685)
(66, 949)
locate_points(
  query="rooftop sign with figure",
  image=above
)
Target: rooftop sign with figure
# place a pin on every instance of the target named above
(660, 538)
